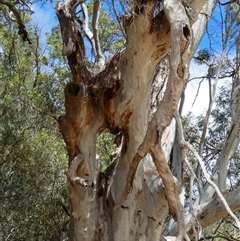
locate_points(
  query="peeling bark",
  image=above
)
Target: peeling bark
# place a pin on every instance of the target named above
(131, 200)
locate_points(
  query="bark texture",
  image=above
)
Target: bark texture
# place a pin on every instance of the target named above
(131, 94)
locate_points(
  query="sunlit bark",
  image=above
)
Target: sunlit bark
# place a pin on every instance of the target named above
(132, 94)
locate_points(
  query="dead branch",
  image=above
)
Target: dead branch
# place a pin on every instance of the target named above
(192, 177)
(21, 26)
(199, 85)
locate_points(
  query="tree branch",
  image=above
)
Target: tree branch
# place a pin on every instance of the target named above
(212, 211)
(233, 137)
(192, 177)
(180, 57)
(85, 26)
(96, 14)
(226, 3)
(209, 212)
(172, 196)
(119, 17)
(73, 46)
(229, 148)
(199, 85)
(21, 26)
(191, 148)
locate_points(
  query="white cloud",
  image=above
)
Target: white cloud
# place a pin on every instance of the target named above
(193, 91)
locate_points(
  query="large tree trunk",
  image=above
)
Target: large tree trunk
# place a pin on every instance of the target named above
(132, 94)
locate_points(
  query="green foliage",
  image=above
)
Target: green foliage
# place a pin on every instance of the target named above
(219, 125)
(222, 230)
(33, 157)
(202, 56)
(105, 148)
(111, 38)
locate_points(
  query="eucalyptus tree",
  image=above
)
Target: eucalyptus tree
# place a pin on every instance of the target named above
(135, 95)
(216, 133)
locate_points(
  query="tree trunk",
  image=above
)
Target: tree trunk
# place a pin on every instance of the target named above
(132, 94)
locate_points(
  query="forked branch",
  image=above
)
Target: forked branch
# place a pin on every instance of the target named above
(199, 159)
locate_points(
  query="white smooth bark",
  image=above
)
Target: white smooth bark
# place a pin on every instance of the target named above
(118, 99)
(210, 212)
(96, 14)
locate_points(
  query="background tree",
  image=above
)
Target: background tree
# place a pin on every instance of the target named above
(210, 131)
(32, 162)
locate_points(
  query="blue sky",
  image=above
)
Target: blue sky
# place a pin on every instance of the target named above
(44, 17)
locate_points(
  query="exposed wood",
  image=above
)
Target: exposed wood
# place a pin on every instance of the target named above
(119, 98)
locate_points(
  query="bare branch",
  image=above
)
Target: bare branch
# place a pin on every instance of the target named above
(192, 176)
(85, 26)
(226, 3)
(96, 14)
(212, 93)
(224, 237)
(72, 4)
(206, 119)
(210, 212)
(21, 26)
(191, 148)
(233, 136)
(73, 46)
(118, 18)
(199, 85)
